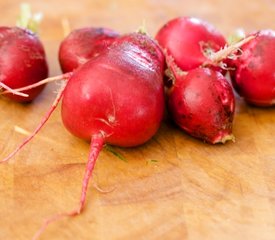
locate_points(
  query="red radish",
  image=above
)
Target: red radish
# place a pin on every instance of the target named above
(83, 44)
(202, 103)
(113, 74)
(189, 41)
(22, 61)
(254, 74)
(116, 98)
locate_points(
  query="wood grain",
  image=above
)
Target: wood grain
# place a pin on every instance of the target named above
(193, 191)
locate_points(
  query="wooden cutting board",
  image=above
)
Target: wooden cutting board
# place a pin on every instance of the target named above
(173, 187)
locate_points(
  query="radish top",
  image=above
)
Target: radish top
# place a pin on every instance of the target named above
(27, 20)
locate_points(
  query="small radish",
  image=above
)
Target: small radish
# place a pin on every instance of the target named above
(189, 41)
(83, 44)
(201, 101)
(22, 59)
(115, 98)
(254, 74)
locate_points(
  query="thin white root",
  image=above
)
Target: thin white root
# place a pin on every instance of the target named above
(101, 190)
(65, 76)
(21, 131)
(13, 91)
(38, 128)
(225, 52)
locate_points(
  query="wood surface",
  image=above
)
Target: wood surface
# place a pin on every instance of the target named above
(191, 190)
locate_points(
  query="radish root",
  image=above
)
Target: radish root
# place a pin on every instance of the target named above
(38, 128)
(97, 143)
(51, 220)
(65, 76)
(10, 90)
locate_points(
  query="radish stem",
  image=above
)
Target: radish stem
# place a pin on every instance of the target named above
(97, 143)
(27, 19)
(217, 57)
(65, 76)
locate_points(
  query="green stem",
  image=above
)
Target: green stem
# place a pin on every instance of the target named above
(28, 20)
(142, 29)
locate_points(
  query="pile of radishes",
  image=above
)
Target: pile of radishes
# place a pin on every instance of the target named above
(114, 85)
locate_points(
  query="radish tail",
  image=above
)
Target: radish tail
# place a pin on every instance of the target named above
(97, 143)
(65, 76)
(47, 222)
(38, 128)
(10, 90)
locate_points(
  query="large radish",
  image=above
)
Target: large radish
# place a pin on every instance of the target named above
(115, 98)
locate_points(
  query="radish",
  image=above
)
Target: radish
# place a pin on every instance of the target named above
(137, 68)
(115, 98)
(254, 74)
(201, 101)
(83, 44)
(22, 60)
(189, 41)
